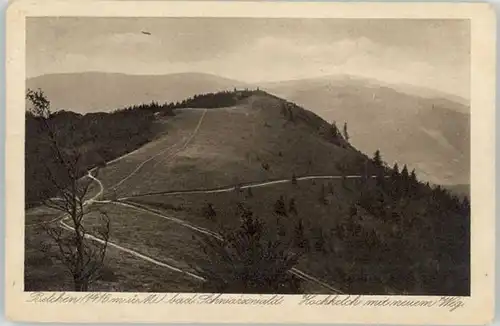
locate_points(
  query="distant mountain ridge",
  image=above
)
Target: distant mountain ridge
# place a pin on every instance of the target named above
(423, 92)
(97, 91)
(431, 135)
(186, 85)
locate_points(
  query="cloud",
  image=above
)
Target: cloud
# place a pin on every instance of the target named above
(277, 59)
(416, 53)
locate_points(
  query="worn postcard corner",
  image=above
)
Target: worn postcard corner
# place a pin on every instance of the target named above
(210, 161)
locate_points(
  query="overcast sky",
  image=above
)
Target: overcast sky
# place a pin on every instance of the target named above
(429, 53)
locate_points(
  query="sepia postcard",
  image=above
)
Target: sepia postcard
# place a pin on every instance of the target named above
(250, 162)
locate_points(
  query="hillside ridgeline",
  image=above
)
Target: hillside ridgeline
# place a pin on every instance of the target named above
(382, 232)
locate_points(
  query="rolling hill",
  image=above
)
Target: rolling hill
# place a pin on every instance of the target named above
(429, 133)
(267, 157)
(251, 141)
(423, 128)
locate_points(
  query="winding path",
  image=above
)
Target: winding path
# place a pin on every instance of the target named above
(170, 218)
(134, 253)
(94, 199)
(243, 186)
(114, 245)
(85, 203)
(293, 271)
(193, 134)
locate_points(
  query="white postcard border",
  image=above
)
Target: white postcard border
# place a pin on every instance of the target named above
(478, 308)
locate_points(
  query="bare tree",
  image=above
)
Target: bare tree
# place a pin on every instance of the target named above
(82, 257)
